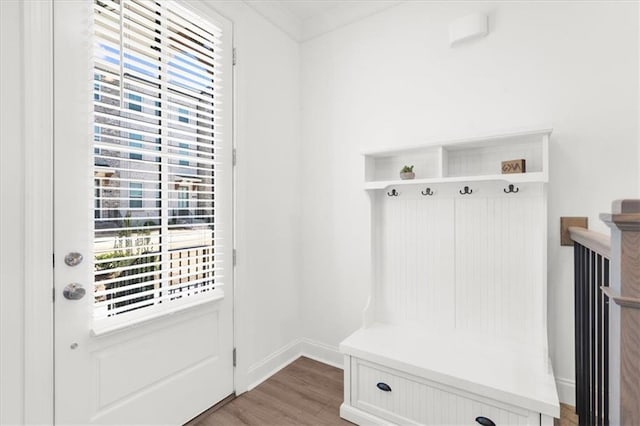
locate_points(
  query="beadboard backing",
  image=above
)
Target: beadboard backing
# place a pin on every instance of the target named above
(473, 263)
(487, 160)
(426, 165)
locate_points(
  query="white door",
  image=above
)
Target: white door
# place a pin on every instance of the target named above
(143, 192)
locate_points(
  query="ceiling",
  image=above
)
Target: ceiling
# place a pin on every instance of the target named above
(307, 9)
(306, 19)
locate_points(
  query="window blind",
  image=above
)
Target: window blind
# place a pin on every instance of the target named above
(157, 109)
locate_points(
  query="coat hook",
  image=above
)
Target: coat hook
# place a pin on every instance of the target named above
(427, 192)
(466, 191)
(511, 190)
(393, 193)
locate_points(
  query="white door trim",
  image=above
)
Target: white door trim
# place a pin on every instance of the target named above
(241, 330)
(37, 116)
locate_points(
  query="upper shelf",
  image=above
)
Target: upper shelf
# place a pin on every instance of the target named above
(470, 159)
(511, 178)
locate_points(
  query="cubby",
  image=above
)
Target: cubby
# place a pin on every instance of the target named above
(459, 160)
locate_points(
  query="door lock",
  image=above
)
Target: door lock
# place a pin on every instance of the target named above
(73, 259)
(73, 291)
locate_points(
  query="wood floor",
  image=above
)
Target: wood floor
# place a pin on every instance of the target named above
(306, 392)
(568, 416)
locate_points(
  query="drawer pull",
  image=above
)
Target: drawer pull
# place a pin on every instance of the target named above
(485, 421)
(384, 387)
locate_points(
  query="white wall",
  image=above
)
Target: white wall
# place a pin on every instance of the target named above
(392, 79)
(11, 216)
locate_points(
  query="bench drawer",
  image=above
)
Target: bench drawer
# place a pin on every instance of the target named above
(405, 399)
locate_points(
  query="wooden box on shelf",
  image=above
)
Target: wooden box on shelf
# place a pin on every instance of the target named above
(514, 166)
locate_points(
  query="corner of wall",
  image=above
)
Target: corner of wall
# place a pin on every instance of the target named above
(262, 370)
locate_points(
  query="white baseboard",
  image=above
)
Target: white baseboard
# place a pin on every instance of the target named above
(359, 417)
(262, 370)
(322, 352)
(566, 391)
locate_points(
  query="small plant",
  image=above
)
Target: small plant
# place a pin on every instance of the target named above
(407, 173)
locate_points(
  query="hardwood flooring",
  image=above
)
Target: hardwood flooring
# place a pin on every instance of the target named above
(304, 393)
(568, 416)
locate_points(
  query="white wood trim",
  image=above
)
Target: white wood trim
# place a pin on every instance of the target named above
(38, 232)
(545, 156)
(368, 313)
(11, 216)
(321, 352)
(532, 177)
(566, 390)
(177, 309)
(241, 329)
(346, 385)
(360, 417)
(546, 420)
(348, 13)
(271, 364)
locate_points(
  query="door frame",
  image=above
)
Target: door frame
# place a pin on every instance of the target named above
(37, 67)
(37, 63)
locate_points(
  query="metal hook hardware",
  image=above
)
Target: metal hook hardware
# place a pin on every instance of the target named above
(393, 193)
(427, 192)
(466, 191)
(511, 190)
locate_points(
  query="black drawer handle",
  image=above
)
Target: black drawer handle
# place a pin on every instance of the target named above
(485, 421)
(384, 387)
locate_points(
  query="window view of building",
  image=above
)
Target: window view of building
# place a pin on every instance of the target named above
(154, 156)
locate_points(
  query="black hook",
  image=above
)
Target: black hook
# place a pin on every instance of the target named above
(511, 190)
(466, 191)
(393, 193)
(427, 192)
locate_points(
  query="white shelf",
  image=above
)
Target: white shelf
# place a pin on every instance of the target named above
(534, 177)
(474, 159)
(459, 143)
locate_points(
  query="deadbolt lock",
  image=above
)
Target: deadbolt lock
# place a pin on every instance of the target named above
(73, 259)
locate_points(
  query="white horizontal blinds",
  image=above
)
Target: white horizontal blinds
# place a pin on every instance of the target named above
(156, 139)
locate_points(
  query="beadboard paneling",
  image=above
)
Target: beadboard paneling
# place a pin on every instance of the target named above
(499, 265)
(414, 400)
(474, 263)
(488, 160)
(416, 260)
(427, 165)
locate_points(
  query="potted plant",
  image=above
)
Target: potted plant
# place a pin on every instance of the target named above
(407, 173)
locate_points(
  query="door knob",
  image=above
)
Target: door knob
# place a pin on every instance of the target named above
(73, 291)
